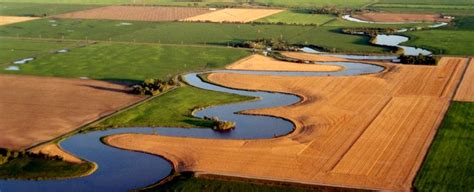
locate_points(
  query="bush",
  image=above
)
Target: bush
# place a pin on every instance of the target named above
(418, 59)
(219, 125)
(154, 86)
(275, 44)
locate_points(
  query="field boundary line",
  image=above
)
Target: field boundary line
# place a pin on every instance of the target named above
(461, 79)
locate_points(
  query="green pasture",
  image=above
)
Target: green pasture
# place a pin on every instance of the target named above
(33, 9)
(298, 18)
(448, 165)
(13, 49)
(189, 33)
(130, 62)
(448, 42)
(172, 109)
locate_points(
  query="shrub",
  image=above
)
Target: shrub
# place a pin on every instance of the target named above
(154, 86)
(418, 59)
(219, 125)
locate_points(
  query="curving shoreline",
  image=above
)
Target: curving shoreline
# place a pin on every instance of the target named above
(133, 170)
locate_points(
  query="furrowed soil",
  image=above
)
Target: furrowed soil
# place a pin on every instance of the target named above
(38, 109)
(401, 17)
(368, 132)
(137, 13)
(5, 20)
(261, 63)
(466, 89)
(234, 15)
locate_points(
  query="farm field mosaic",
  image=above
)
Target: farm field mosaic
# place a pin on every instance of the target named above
(261, 95)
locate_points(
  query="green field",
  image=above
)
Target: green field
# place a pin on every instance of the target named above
(187, 182)
(194, 33)
(172, 109)
(450, 42)
(449, 163)
(299, 18)
(33, 9)
(37, 168)
(280, 3)
(429, 2)
(12, 49)
(130, 62)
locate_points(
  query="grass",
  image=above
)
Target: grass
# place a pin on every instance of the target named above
(172, 109)
(299, 18)
(448, 165)
(13, 49)
(130, 62)
(187, 182)
(429, 2)
(38, 168)
(281, 3)
(194, 33)
(449, 42)
(30, 9)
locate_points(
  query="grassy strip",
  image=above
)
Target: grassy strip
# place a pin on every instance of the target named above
(39, 168)
(188, 182)
(194, 33)
(39, 10)
(173, 109)
(448, 165)
(298, 18)
(133, 62)
(448, 42)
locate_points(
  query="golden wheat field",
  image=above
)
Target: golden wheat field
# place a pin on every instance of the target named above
(236, 15)
(5, 20)
(367, 132)
(466, 89)
(261, 63)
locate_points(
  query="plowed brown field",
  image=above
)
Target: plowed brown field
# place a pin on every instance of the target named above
(5, 20)
(38, 109)
(466, 89)
(234, 15)
(261, 63)
(368, 131)
(400, 17)
(137, 13)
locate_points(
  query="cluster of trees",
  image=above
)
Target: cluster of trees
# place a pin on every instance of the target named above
(219, 125)
(275, 44)
(418, 59)
(331, 10)
(369, 31)
(154, 86)
(7, 155)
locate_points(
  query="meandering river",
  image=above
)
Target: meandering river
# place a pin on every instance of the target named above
(121, 170)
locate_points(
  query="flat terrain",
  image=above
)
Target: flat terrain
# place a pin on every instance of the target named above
(299, 18)
(448, 165)
(466, 89)
(332, 144)
(39, 10)
(195, 33)
(13, 49)
(36, 109)
(400, 17)
(173, 109)
(234, 15)
(261, 63)
(443, 41)
(137, 13)
(5, 20)
(130, 62)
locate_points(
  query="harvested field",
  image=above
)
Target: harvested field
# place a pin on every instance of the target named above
(261, 63)
(234, 15)
(137, 13)
(401, 17)
(53, 149)
(38, 109)
(466, 89)
(5, 20)
(333, 144)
